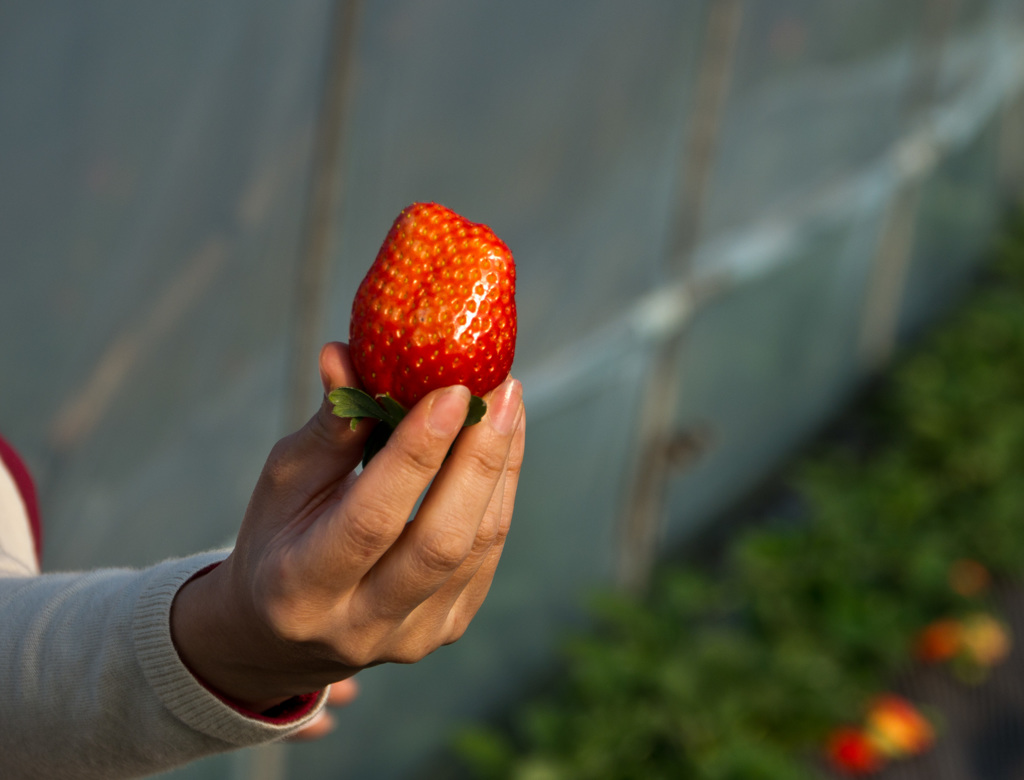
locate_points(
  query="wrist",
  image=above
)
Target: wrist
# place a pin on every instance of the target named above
(223, 648)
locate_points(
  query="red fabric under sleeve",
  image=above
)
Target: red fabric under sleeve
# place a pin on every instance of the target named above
(26, 487)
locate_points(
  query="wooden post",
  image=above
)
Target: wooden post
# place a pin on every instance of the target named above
(642, 519)
(884, 298)
(324, 201)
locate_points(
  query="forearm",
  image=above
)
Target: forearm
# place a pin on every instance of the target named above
(91, 685)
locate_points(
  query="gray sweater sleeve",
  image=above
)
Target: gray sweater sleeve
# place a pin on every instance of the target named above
(91, 685)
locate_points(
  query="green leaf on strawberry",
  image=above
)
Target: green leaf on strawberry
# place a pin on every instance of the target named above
(354, 404)
(477, 410)
(394, 409)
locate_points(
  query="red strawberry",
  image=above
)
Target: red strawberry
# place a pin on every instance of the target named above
(940, 640)
(437, 308)
(851, 751)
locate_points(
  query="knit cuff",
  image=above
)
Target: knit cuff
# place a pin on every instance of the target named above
(179, 690)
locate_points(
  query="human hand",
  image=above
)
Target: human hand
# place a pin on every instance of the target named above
(327, 577)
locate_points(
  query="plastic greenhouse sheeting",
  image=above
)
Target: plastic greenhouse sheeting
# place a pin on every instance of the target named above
(155, 165)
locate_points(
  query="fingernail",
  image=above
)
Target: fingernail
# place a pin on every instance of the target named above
(504, 406)
(448, 411)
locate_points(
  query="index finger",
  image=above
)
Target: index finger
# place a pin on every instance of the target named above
(432, 549)
(381, 499)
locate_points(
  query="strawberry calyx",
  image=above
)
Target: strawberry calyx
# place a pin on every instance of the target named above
(354, 404)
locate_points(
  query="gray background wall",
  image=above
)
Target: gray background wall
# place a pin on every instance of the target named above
(725, 215)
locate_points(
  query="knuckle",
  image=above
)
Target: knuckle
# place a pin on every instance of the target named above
(443, 552)
(500, 536)
(287, 621)
(485, 538)
(359, 657)
(458, 624)
(359, 645)
(488, 461)
(409, 656)
(410, 652)
(514, 464)
(277, 471)
(371, 529)
(322, 429)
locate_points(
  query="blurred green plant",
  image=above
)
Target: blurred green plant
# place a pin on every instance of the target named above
(738, 674)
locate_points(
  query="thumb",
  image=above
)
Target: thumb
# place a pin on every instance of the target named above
(327, 436)
(336, 369)
(326, 449)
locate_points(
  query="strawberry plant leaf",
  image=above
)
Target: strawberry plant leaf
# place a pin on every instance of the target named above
(477, 409)
(394, 410)
(352, 403)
